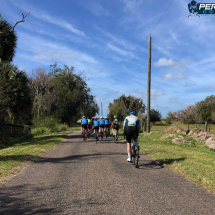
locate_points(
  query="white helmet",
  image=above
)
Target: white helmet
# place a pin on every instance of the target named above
(115, 116)
(83, 117)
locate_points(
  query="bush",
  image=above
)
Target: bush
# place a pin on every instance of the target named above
(47, 122)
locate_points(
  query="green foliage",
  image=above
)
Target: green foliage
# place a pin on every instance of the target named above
(61, 94)
(15, 94)
(155, 115)
(169, 117)
(123, 105)
(206, 108)
(8, 41)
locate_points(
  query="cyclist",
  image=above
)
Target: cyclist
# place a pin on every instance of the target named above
(96, 126)
(115, 125)
(89, 124)
(107, 124)
(131, 126)
(102, 124)
(84, 124)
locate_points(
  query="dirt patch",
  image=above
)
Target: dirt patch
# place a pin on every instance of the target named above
(166, 136)
(181, 140)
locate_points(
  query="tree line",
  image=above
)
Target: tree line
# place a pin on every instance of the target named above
(195, 114)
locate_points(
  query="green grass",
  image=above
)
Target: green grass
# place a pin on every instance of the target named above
(196, 162)
(19, 152)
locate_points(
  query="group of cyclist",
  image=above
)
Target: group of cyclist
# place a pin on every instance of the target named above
(131, 127)
(96, 124)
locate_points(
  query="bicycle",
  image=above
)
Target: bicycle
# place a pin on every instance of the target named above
(115, 138)
(102, 134)
(84, 131)
(106, 132)
(88, 133)
(96, 136)
(135, 151)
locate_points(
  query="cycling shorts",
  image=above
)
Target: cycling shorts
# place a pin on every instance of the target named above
(84, 126)
(102, 126)
(106, 126)
(131, 132)
(96, 127)
(116, 126)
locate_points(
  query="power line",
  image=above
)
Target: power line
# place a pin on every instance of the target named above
(150, 33)
(162, 42)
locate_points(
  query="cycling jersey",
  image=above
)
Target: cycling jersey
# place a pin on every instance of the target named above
(106, 122)
(132, 121)
(101, 122)
(84, 121)
(96, 123)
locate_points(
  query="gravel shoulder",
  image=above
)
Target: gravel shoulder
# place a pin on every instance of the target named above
(79, 177)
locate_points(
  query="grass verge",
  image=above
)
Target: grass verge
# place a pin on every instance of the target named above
(20, 152)
(195, 162)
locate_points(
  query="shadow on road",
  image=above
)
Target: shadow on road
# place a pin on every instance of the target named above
(158, 164)
(14, 196)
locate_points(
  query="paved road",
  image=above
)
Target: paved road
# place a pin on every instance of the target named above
(89, 178)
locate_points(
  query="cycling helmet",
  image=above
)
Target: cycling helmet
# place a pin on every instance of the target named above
(132, 111)
(105, 117)
(101, 117)
(115, 116)
(83, 117)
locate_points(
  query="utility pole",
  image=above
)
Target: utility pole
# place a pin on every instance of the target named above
(101, 110)
(149, 87)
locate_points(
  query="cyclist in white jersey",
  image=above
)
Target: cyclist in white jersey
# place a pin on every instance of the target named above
(131, 127)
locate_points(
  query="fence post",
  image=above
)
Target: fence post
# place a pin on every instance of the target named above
(206, 125)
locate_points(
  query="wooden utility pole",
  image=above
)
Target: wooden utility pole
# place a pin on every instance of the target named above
(101, 110)
(149, 87)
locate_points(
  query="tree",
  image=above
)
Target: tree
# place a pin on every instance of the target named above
(8, 41)
(213, 117)
(123, 105)
(206, 107)
(41, 88)
(155, 116)
(61, 94)
(15, 94)
(170, 117)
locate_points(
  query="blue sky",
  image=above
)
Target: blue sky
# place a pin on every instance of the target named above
(108, 40)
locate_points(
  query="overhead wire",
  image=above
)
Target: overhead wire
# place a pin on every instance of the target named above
(150, 33)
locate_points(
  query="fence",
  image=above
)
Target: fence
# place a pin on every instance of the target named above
(11, 130)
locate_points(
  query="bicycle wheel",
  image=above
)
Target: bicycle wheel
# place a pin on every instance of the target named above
(83, 134)
(136, 156)
(116, 137)
(106, 133)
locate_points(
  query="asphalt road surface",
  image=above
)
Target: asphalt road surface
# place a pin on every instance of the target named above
(79, 177)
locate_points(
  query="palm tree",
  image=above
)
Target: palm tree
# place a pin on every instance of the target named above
(8, 41)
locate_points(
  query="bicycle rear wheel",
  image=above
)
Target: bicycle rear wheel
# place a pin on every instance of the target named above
(83, 134)
(136, 156)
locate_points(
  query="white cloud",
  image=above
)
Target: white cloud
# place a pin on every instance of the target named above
(62, 23)
(189, 84)
(164, 62)
(169, 76)
(119, 51)
(173, 99)
(172, 64)
(156, 93)
(210, 87)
